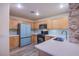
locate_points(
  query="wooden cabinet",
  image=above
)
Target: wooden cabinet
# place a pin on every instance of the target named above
(59, 23)
(34, 39)
(14, 21)
(48, 37)
(13, 24)
(42, 22)
(14, 42)
(56, 23)
(37, 23)
(34, 25)
(48, 22)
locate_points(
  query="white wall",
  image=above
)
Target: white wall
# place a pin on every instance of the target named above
(4, 29)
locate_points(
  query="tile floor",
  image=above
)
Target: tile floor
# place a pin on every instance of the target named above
(25, 51)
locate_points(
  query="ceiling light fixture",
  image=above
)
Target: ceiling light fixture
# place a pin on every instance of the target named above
(19, 6)
(37, 14)
(61, 6)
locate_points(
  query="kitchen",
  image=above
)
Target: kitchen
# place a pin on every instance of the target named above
(41, 30)
(33, 26)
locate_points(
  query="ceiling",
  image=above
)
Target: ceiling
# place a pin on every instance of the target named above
(28, 10)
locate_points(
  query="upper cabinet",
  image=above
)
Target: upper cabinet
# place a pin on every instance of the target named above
(56, 23)
(48, 22)
(37, 23)
(33, 25)
(13, 23)
(59, 23)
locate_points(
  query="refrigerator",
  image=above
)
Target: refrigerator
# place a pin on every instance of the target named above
(25, 34)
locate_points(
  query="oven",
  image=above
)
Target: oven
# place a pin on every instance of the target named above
(41, 37)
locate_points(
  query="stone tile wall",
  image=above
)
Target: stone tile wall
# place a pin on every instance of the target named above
(74, 22)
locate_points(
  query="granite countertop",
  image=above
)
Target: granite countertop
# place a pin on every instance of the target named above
(58, 48)
(35, 33)
(51, 35)
(13, 35)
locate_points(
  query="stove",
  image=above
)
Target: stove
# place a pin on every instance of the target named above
(41, 37)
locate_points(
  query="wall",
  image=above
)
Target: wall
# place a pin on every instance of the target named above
(4, 29)
(74, 23)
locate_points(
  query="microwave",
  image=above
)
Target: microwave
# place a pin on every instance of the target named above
(43, 26)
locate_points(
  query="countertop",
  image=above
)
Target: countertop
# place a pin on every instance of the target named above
(13, 35)
(35, 33)
(50, 35)
(45, 35)
(58, 48)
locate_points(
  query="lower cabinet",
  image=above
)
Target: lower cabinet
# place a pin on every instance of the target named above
(14, 42)
(34, 39)
(48, 37)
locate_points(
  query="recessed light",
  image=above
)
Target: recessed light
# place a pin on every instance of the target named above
(19, 6)
(37, 13)
(61, 6)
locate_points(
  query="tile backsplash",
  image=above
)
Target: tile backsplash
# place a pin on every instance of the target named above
(13, 32)
(63, 33)
(36, 31)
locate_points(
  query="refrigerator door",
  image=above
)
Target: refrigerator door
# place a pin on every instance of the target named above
(25, 30)
(25, 34)
(25, 41)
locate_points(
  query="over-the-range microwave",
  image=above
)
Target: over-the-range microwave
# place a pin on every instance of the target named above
(43, 26)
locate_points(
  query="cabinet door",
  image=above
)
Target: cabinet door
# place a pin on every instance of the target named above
(13, 24)
(48, 22)
(33, 25)
(59, 23)
(36, 25)
(42, 22)
(47, 38)
(14, 42)
(34, 39)
(39, 22)
(11, 42)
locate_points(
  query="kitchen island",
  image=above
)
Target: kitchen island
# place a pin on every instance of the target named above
(57, 48)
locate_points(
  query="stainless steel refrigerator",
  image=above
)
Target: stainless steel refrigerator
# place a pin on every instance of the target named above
(25, 34)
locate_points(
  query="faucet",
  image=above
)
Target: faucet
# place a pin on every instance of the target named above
(65, 32)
